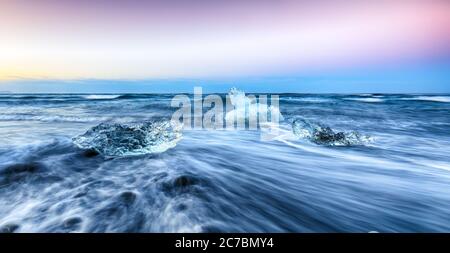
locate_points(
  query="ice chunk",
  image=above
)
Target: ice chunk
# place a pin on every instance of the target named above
(324, 135)
(130, 139)
(246, 108)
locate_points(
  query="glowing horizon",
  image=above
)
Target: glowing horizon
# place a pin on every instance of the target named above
(172, 39)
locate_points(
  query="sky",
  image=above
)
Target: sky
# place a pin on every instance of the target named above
(270, 46)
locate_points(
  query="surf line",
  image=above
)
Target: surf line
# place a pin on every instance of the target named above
(187, 243)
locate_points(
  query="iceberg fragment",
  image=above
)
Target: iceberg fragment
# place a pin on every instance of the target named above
(324, 135)
(247, 108)
(130, 139)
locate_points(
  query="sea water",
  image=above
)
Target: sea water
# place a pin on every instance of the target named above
(110, 163)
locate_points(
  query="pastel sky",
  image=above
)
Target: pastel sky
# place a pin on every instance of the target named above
(284, 45)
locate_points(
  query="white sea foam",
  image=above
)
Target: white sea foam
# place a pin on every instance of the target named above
(47, 118)
(367, 100)
(443, 99)
(101, 96)
(311, 100)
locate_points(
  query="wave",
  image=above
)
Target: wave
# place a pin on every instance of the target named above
(25, 96)
(57, 97)
(101, 96)
(442, 99)
(367, 99)
(47, 118)
(116, 140)
(323, 135)
(138, 96)
(310, 100)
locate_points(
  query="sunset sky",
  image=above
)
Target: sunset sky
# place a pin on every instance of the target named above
(334, 46)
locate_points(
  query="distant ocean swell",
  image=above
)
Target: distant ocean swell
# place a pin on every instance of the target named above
(298, 97)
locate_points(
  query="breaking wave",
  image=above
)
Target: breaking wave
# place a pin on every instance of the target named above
(314, 100)
(323, 135)
(114, 140)
(48, 118)
(442, 99)
(367, 99)
(101, 96)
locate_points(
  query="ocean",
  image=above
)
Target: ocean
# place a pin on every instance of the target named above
(109, 163)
